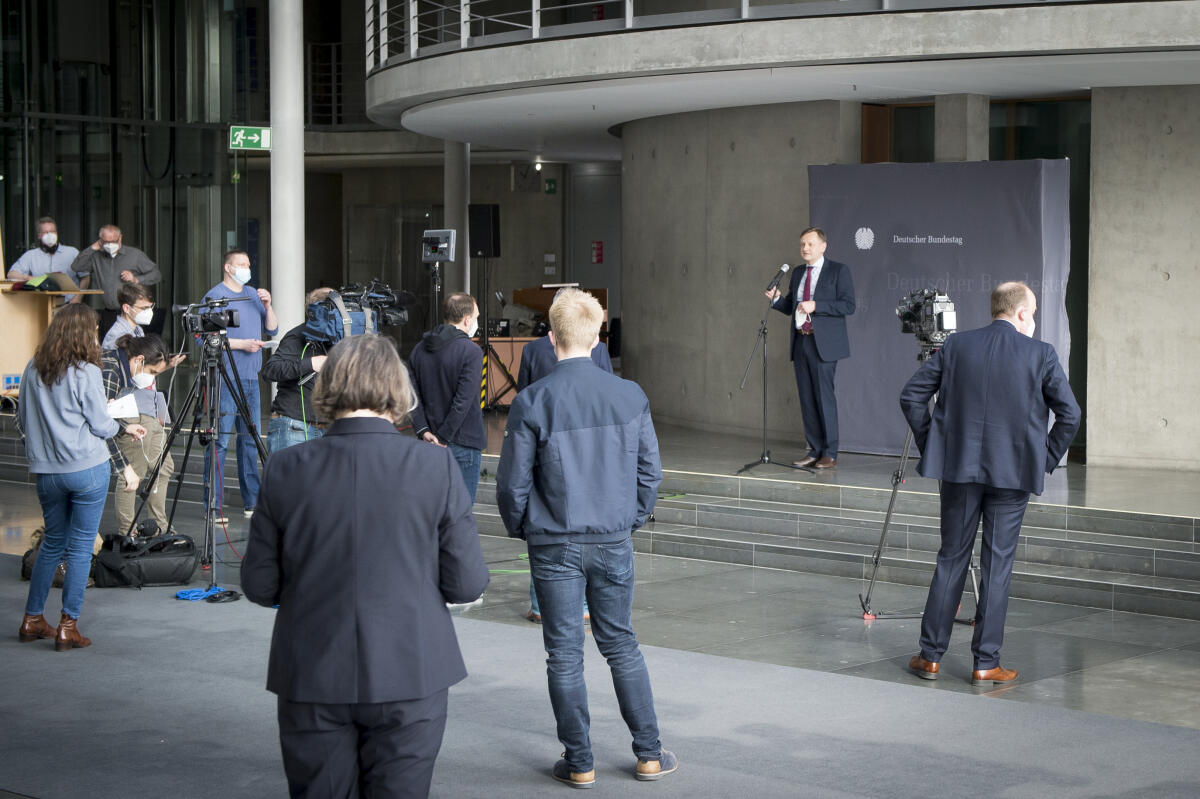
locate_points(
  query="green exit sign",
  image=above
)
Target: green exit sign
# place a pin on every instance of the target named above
(244, 138)
(551, 186)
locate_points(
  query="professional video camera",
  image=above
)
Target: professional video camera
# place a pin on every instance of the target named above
(929, 315)
(210, 316)
(356, 309)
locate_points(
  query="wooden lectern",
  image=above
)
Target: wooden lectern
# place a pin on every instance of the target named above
(25, 315)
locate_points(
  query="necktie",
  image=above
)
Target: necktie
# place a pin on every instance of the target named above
(807, 326)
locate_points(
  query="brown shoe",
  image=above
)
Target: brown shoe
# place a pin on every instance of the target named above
(826, 462)
(803, 462)
(68, 636)
(923, 668)
(35, 627)
(997, 676)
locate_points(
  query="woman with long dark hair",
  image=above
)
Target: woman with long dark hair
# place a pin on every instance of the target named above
(64, 417)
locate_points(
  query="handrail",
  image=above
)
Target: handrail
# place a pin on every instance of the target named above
(402, 30)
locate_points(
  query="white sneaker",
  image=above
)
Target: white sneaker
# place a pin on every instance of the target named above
(459, 607)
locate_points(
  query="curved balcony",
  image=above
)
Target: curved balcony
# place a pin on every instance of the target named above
(558, 79)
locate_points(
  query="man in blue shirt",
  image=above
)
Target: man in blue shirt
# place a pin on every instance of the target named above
(256, 315)
(48, 256)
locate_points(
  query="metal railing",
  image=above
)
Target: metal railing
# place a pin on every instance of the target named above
(402, 30)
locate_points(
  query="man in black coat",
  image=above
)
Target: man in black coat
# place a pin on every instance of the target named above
(447, 370)
(361, 538)
(819, 298)
(986, 441)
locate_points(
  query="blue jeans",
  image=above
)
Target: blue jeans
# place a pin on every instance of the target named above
(284, 432)
(72, 504)
(247, 450)
(469, 460)
(533, 603)
(563, 574)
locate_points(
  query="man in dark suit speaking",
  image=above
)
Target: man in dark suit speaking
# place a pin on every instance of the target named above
(986, 441)
(819, 298)
(361, 538)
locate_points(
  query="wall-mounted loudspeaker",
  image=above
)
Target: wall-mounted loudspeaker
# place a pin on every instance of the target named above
(484, 228)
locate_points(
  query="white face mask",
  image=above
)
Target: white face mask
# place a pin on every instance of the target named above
(474, 328)
(144, 317)
(143, 380)
(242, 275)
(111, 248)
(50, 239)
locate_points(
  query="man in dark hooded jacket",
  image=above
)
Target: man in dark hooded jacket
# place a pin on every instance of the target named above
(447, 369)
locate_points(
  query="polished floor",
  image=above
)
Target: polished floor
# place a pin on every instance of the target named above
(1126, 665)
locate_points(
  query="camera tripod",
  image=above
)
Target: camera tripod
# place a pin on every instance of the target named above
(204, 403)
(927, 351)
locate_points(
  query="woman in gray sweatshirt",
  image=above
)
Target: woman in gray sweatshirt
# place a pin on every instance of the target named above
(69, 440)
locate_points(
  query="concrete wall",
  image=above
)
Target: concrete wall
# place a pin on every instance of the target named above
(1144, 284)
(712, 203)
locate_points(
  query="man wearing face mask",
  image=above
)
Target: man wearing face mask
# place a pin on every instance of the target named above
(130, 368)
(986, 441)
(256, 316)
(50, 255)
(108, 264)
(447, 369)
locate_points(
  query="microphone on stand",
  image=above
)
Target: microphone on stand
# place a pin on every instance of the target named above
(778, 277)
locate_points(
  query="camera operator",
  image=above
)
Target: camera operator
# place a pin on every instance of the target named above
(256, 315)
(298, 357)
(987, 442)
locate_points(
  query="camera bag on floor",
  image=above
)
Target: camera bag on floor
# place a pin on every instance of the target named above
(31, 555)
(160, 560)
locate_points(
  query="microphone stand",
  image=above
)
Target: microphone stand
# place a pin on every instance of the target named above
(761, 340)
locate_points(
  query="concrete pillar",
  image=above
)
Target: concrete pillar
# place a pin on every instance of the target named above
(457, 192)
(960, 127)
(287, 162)
(1142, 380)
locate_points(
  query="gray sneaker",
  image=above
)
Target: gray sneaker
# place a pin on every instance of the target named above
(656, 769)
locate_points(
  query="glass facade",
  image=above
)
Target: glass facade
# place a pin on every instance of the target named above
(117, 112)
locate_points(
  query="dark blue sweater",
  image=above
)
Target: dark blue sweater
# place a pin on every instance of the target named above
(447, 370)
(580, 458)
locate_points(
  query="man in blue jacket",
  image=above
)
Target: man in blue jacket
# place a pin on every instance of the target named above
(447, 370)
(578, 473)
(986, 441)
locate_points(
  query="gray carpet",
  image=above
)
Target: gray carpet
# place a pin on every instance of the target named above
(169, 702)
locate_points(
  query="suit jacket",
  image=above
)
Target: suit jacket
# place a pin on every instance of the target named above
(834, 296)
(538, 360)
(361, 537)
(995, 390)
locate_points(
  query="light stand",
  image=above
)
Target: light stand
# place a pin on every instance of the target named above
(490, 356)
(761, 341)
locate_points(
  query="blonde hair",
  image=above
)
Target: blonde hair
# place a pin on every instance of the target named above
(575, 318)
(1008, 297)
(364, 373)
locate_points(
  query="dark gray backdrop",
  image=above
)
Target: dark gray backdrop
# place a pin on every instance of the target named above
(960, 227)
